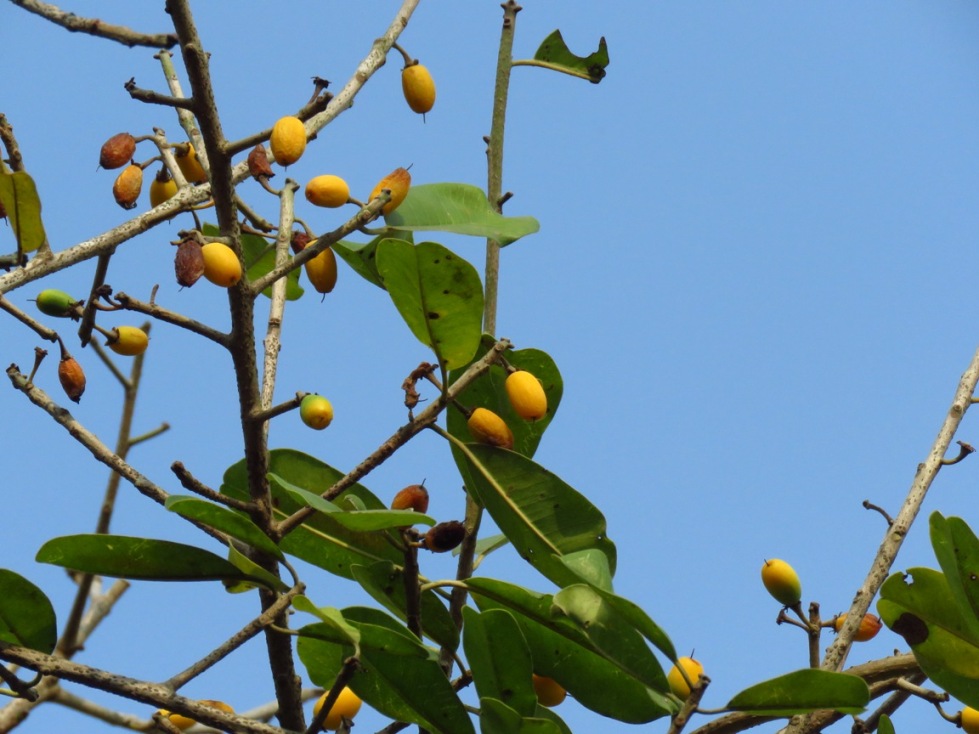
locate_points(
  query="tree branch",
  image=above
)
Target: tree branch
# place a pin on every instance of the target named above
(96, 27)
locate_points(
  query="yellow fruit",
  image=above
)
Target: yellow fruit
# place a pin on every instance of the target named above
(413, 497)
(869, 627)
(549, 691)
(288, 140)
(487, 427)
(162, 188)
(327, 190)
(345, 707)
(782, 582)
(970, 720)
(127, 186)
(418, 87)
(316, 411)
(221, 265)
(678, 685)
(188, 164)
(398, 182)
(526, 395)
(130, 341)
(183, 722)
(322, 271)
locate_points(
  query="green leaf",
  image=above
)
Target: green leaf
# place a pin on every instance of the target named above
(385, 583)
(458, 208)
(803, 691)
(498, 718)
(138, 558)
(957, 550)
(884, 725)
(258, 258)
(362, 256)
(235, 524)
(258, 576)
(561, 650)
(437, 293)
(554, 52)
(26, 615)
(499, 658)
(489, 391)
(945, 642)
(19, 197)
(590, 565)
(321, 540)
(543, 517)
(347, 633)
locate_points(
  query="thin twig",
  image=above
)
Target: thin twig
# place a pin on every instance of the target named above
(96, 27)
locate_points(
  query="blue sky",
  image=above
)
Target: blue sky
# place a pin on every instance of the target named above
(753, 270)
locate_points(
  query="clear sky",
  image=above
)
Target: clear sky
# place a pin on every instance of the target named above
(753, 270)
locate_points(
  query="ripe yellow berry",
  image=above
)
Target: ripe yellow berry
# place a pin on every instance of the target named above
(130, 341)
(327, 190)
(345, 707)
(397, 182)
(487, 427)
(188, 164)
(162, 187)
(678, 685)
(526, 395)
(221, 265)
(418, 87)
(316, 411)
(549, 691)
(288, 140)
(322, 271)
(970, 720)
(127, 186)
(782, 582)
(183, 722)
(869, 627)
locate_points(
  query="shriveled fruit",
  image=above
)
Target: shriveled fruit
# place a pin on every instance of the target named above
(675, 678)
(188, 164)
(413, 497)
(487, 427)
(445, 536)
(288, 140)
(258, 163)
(221, 266)
(782, 582)
(322, 271)
(53, 302)
(127, 186)
(549, 691)
(162, 187)
(970, 720)
(188, 263)
(397, 182)
(418, 87)
(327, 190)
(71, 376)
(526, 395)
(869, 627)
(117, 151)
(183, 722)
(346, 706)
(316, 411)
(129, 341)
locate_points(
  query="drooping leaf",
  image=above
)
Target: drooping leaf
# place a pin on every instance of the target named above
(543, 517)
(121, 556)
(802, 691)
(437, 293)
(235, 524)
(258, 257)
(561, 650)
(362, 257)
(26, 614)
(555, 53)
(347, 633)
(498, 718)
(945, 642)
(258, 576)
(499, 658)
(957, 550)
(19, 198)
(458, 208)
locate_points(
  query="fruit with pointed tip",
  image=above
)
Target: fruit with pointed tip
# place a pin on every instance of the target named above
(678, 684)
(397, 182)
(53, 302)
(782, 582)
(418, 87)
(487, 427)
(322, 271)
(316, 411)
(413, 497)
(288, 140)
(189, 164)
(127, 186)
(345, 707)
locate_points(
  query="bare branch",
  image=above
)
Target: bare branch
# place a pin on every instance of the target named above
(96, 27)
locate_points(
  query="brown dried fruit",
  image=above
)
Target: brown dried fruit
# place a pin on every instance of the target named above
(413, 497)
(299, 241)
(188, 262)
(127, 186)
(117, 151)
(258, 162)
(445, 536)
(72, 377)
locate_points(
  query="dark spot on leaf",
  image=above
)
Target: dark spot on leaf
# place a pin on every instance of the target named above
(911, 628)
(445, 292)
(436, 261)
(433, 315)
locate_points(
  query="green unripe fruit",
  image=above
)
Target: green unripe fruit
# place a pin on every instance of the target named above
(55, 303)
(316, 412)
(782, 582)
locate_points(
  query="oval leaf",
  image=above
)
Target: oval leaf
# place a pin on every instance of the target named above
(235, 524)
(803, 691)
(362, 257)
(18, 194)
(499, 658)
(26, 615)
